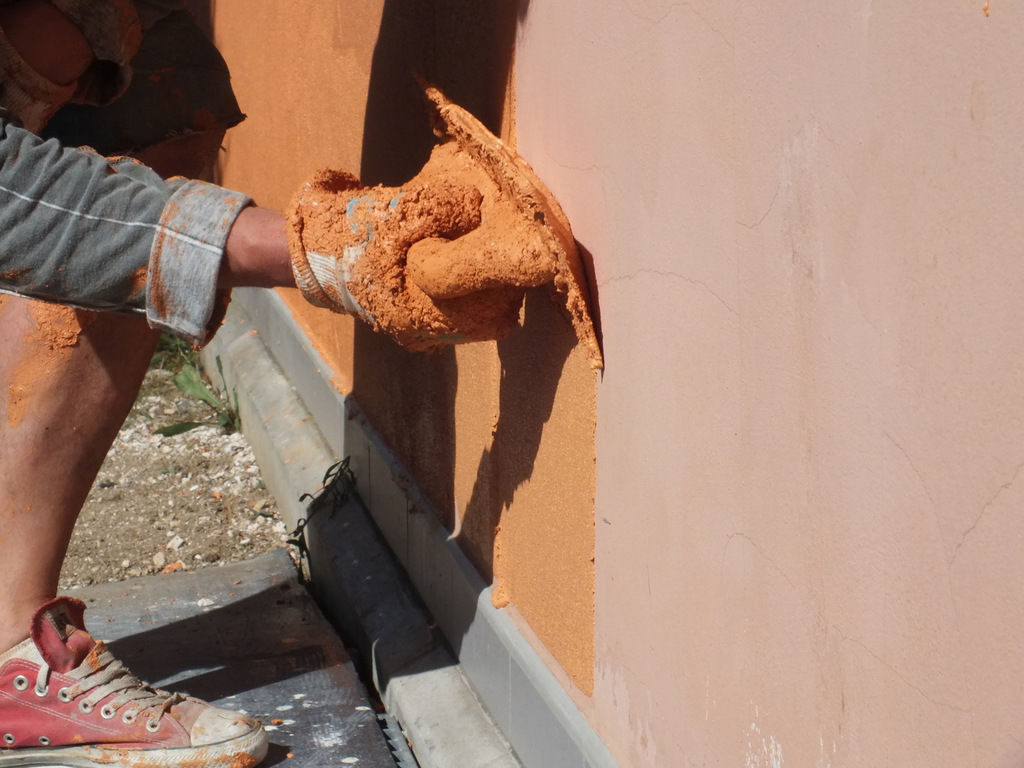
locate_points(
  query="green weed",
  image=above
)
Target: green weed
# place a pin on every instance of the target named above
(189, 379)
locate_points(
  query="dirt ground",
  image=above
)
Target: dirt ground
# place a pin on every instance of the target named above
(165, 504)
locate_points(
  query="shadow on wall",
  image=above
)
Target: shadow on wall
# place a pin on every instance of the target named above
(464, 47)
(467, 51)
(532, 360)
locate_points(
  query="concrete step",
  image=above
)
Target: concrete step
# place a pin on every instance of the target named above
(247, 636)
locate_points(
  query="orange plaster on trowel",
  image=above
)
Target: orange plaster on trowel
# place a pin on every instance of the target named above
(56, 332)
(500, 251)
(529, 232)
(333, 214)
(447, 256)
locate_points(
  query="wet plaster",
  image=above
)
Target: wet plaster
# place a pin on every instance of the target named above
(498, 435)
(49, 344)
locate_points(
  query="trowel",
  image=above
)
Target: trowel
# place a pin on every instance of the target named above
(532, 208)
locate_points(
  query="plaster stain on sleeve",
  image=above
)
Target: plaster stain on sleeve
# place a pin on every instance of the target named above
(139, 281)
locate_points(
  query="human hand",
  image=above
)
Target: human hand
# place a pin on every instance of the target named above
(427, 262)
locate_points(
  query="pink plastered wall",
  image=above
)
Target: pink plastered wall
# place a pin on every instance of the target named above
(806, 226)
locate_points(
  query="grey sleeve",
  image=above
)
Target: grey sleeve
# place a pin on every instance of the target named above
(82, 230)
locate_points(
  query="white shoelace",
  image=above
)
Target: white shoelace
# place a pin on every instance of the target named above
(105, 676)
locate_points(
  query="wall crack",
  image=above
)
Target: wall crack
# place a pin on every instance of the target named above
(655, 17)
(764, 555)
(912, 465)
(672, 276)
(984, 511)
(760, 221)
(900, 675)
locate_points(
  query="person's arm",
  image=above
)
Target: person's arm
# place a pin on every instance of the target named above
(257, 252)
(80, 229)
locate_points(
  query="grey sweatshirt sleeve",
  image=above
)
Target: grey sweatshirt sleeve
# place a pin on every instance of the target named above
(83, 230)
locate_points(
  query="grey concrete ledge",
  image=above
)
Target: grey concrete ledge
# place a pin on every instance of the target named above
(299, 426)
(354, 576)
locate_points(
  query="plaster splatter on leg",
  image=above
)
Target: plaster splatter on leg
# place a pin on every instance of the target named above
(56, 332)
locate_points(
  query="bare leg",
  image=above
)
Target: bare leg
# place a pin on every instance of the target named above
(67, 381)
(61, 411)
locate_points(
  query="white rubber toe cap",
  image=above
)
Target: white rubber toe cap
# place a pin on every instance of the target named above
(214, 726)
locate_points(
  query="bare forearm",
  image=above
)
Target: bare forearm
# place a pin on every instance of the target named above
(257, 252)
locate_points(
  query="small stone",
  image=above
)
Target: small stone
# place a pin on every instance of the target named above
(175, 543)
(159, 560)
(125, 563)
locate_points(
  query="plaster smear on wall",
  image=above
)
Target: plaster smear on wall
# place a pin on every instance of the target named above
(500, 436)
(762, 751)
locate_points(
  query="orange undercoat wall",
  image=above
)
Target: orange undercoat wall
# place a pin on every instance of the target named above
(806, 226)
(499, 436)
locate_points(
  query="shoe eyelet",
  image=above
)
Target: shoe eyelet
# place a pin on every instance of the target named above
(64, 696)
(41, 692)
(44, 741)
(85, 707)
(128, 718)
(107, 712)
(152, 726)
(8, 738)
(20, 683)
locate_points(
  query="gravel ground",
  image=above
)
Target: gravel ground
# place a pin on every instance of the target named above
(164, 504)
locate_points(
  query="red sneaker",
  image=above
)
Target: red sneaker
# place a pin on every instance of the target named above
(65, 700)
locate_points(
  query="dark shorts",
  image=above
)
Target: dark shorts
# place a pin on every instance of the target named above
(180, 85)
